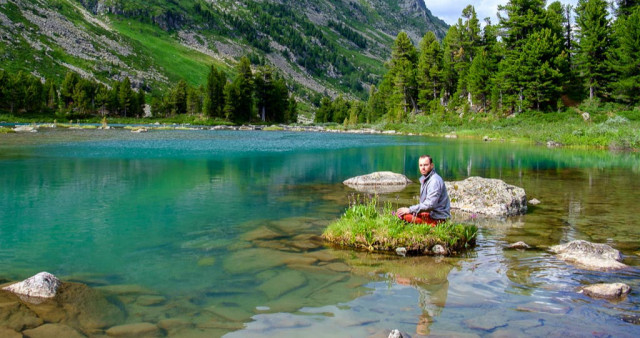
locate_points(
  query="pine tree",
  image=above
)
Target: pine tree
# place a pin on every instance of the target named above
(469, 34)
(179, 98)
(626, 62)
(67, 87)
(594, 42)
(231, 95)
(125, 96)
(325, 112)
(429, 71)
(479, 77)
(402, 73)
(244, 86)
(626, 7)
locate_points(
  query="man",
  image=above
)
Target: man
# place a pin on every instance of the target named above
(434, 206)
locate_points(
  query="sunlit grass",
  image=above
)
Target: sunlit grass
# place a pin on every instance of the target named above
(367, 225)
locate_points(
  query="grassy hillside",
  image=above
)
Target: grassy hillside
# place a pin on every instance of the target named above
(320, 46)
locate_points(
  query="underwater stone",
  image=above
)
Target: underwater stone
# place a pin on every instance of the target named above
(43, 285)
(519, 245)
(134, 330)
(606, 291)
(52, 330)
(591, 256)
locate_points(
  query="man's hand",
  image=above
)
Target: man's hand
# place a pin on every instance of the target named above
(402, 211)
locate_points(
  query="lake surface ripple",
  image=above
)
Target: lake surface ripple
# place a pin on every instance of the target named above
(212, 233)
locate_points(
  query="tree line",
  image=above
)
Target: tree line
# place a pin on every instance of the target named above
(262, 95)
(534, 58)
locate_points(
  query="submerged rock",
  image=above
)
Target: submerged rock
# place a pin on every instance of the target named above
(590, 256)
(378, 182)
(53, 330)
(606, 291)
(519, 245)
(487, 196)
(134, 330)
(41, 285)
(534, 201)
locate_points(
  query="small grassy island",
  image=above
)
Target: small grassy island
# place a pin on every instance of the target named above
(367, 226)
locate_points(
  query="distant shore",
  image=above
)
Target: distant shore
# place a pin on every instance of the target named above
(572, 128)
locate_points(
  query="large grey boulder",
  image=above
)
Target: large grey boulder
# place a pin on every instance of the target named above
(42, 285)
(590, 256)
(378, 182)
(487, 196)
(607, 290)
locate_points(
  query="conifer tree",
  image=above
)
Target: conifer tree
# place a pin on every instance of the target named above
(479, 78)
(244, 87)
(626, 62)
(67, 87)
(594, 42)
(626, 7)
(429, 71)
(404, 93)
(125, 96)
(179, 98)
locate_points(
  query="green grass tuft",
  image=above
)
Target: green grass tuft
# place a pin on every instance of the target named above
(366, 225)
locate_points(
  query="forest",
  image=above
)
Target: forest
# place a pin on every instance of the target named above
(262, 96)
(535, 58)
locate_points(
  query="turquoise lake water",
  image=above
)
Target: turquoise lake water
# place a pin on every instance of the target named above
(221, 228)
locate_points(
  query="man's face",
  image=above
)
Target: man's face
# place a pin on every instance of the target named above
(425, 166)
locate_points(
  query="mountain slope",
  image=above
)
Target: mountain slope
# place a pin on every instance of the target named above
(321, 46)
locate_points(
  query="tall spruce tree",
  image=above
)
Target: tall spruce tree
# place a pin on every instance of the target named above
(244, 87)
(626, 60)
(404, 95)
(624, 8)
(469, 30)
(593, 45)
(429, 74)
(125, 96)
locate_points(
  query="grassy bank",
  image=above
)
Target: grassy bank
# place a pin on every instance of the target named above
(604, 128)
(366, 225)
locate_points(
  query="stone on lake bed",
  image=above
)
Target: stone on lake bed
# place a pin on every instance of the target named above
(17, 316)
(206, 261)
(52, 330)
(519, 245)
(486, 322)
(126, 289)
(149, 300)
(254, 260)
(134, 330)
(6, 332)
(607, 291)
(262, 232)
(283, 283)
(590, 256)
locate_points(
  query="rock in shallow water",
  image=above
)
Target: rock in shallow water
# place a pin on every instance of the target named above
(53, 330)
(487, 196)
(607, 291)
(590, 256)
(378, 182)
(42, 285)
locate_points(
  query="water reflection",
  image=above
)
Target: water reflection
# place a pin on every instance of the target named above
(205, 233)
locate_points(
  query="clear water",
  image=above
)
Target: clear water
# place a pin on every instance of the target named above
(221, 227)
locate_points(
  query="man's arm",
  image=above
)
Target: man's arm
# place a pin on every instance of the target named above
(434, 189)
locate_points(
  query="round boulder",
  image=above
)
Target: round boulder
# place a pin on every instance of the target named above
(487, 196)
(590, 256)
(378, 182)
(41, 285)
(607, 291)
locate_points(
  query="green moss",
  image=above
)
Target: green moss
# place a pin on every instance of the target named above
(368, 226)
(5, 130)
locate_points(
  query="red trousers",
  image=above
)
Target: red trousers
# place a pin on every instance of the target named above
(422, 217)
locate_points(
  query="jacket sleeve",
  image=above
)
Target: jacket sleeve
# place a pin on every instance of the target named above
(434, 189)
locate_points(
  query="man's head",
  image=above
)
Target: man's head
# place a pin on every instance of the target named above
(425, 164)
